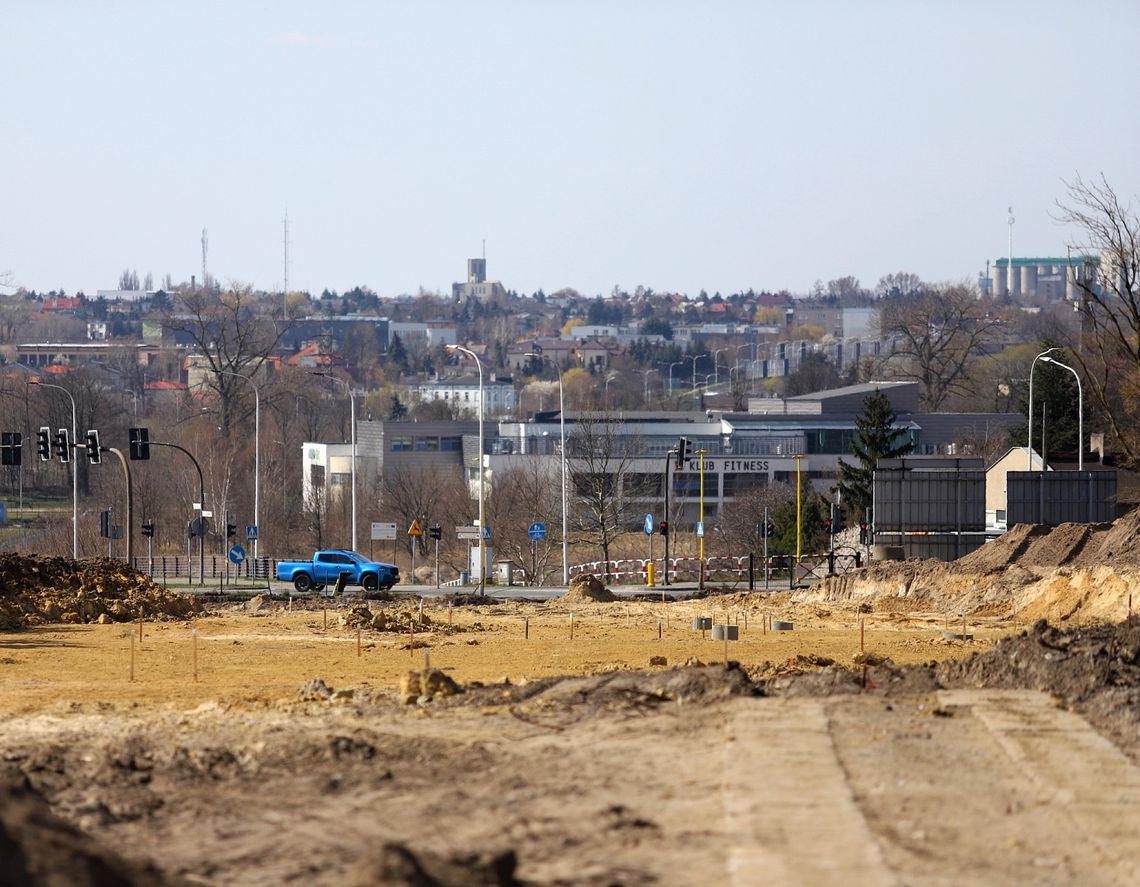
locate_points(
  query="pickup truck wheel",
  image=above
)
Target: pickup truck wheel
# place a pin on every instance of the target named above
(302, 582)
(370, 582)
(388, 586)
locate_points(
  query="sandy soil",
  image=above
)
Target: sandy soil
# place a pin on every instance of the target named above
(481, 743)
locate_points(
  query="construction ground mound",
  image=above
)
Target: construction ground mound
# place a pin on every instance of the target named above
(36, 590)
(1071, 571)
(585, 587)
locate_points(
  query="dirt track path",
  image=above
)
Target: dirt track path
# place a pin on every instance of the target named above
(948, 788)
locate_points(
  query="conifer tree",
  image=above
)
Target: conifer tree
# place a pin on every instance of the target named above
(876, 437)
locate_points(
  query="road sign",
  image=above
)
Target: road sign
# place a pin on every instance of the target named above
(537, 532)
(381, 531)
(486, 532)
(415, 529)
(700, 529)
(251, 533)
(237, 554)
(471, 534)
(207, 514)
(649, 525)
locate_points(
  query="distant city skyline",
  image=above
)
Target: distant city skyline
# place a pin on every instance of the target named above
(676, 146)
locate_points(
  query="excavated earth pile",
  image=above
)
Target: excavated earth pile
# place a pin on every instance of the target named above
(38, 590)
(1079, 572)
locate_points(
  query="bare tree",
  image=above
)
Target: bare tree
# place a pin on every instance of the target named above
(525, 493)
(741, 522)
(936, 335)
(1108, 237)
(599, 461)
(232, 336)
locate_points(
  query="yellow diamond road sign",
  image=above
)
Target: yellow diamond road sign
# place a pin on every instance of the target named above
(415, 529)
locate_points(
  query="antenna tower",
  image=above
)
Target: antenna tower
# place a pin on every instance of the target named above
(205, 249)
(285, 243)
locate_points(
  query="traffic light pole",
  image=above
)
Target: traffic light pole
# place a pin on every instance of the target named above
(665, 519)
(201, 501)
(129, 529)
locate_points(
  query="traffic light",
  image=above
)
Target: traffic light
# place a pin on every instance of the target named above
(682, 452)
(664, 525)
(93, 449)
(43, 443)
(435, 532)
(864, 536)
(769, 530)
(148, 528)
(836, 521)
(105, 524)
(231, 530)
(63, 445)
(139, 439)
(11, 448)
(827, 526)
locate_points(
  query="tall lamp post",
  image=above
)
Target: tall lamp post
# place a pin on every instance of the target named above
(675, 363)
(74, 469)
(694, 358)
(482, 473)
(257, 460)
(716, 364)
(352, 419)
(562, 434)
(1080, 412)
(1029, 448)
(645, 379)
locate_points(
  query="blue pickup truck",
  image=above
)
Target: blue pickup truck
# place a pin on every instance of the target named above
(326, 567)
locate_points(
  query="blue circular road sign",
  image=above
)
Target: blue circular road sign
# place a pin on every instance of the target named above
(237, 554)
(537, 532)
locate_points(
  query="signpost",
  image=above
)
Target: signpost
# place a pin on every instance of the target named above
(414, 531)
(649, 532)
(537, 532)
(237, 554)
(381, 532)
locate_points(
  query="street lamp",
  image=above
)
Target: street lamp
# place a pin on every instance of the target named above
(645, 377)
(694, 358)
(1029, 448)
(562, 432)
(716, 364)
(482, 473)
(257, 461)
(609, 378)
(74, 469)
(1080, 412)
(352, 420)
(675, 363)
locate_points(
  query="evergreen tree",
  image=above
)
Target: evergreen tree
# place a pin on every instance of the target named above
(875, 438)
(396, 410)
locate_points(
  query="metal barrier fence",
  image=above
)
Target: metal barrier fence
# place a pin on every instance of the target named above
(215, 569)
(634, 571)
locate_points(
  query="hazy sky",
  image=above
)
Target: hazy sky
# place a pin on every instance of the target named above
(680, 146)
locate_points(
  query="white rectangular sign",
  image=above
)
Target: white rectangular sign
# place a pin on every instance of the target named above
(469, 533)
(383, 531)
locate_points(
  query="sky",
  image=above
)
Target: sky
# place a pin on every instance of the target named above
(679, 146)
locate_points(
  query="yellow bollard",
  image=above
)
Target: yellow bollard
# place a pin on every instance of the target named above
(649, 571)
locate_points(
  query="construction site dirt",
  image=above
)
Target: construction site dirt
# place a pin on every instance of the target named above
(911, 723)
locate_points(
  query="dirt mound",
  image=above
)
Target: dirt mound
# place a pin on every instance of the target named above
(1094, 670)
(394, 865)
(39, 849)
(1117, 543)
(621, 689)
(1000, 553)
(588, 588)
(36, 590)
